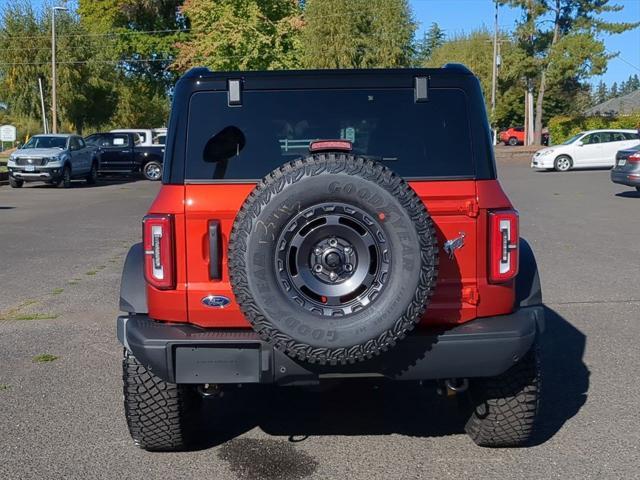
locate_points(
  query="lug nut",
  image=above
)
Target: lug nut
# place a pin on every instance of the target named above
(348, 267)
(318, 251)
(347, 250)
(333, 242)
(318, 268)
(333, 276)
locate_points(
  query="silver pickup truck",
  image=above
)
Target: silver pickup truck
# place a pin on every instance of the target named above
(54, 159)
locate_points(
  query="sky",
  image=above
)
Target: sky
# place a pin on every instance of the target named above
(457, 16)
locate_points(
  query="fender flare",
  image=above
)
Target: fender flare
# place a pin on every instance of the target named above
(528, 288)
(133, 287)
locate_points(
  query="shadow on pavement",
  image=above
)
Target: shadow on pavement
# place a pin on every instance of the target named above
(629, 194)
(370, 407)
(101, 182)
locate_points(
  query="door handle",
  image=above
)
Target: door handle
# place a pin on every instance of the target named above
(215, 250)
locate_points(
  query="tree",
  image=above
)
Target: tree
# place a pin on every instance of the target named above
(240, 35)
(140, 34)
(561, 42)
(601, 93)
(613, 93)
(85, 96)
(433, 38)
(357, 34)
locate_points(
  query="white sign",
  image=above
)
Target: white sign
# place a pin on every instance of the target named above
(7, 133)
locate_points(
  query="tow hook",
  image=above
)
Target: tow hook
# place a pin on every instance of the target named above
(452, 387)
(210, 390)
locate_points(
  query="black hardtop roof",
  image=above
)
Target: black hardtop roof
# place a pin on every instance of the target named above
(201, 78)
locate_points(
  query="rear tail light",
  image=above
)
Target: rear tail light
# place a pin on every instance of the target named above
(159, 257)
(503, 245)
(635, 158)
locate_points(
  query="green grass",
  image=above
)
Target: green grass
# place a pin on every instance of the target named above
(91, 272)
(3, 169)
(44, 358)
(4, 386)
(75, 281)
(57, 291)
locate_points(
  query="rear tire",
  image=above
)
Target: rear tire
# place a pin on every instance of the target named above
(563, 163)
(161, 416)
(513, 141)
(505, 407)
(638, 188)
(15, 183)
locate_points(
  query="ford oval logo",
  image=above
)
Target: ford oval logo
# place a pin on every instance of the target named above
(216, 301)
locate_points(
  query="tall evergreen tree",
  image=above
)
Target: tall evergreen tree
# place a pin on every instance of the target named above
(433, 38)
(357, 34)
(613, 93)
(560, 38)
(601, 93)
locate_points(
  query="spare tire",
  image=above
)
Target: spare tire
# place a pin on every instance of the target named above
(333, 258)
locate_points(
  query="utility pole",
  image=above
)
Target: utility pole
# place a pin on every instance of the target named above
(494, 78)
(54, 100)
(44, 112)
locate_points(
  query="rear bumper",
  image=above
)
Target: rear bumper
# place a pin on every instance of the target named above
(183, 353)
(629, 178)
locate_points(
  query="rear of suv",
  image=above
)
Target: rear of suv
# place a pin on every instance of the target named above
(317, 225)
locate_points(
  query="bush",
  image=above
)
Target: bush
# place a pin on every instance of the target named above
(562, 128)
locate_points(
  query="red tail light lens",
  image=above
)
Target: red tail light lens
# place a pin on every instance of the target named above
(159, 257)
(503, 245)
(635, 158)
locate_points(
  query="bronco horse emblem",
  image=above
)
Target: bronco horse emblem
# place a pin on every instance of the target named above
(450, 246)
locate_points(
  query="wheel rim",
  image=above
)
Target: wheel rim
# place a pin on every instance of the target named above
(332, 259)
(152, 171)
(563, 164)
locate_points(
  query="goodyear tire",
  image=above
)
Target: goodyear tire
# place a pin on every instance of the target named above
(333, 258)
(161, 416)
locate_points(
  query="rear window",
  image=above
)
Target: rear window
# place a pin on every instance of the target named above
(416, 140)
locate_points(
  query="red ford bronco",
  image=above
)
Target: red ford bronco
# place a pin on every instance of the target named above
(329, 224)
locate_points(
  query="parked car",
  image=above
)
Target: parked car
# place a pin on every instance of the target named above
(311, 224)
(594, 148)
(148, 137)
(119, 153)
(627, 168)
(54, 159)
(515, 136)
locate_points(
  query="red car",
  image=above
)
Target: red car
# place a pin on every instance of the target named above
(515, 136)
(329, 224)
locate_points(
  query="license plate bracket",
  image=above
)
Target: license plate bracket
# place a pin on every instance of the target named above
(29, 168)
(622, 162)
(218, 363)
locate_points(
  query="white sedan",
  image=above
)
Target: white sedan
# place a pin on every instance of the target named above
(595, 148)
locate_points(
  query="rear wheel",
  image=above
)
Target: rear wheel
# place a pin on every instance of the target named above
(638, 188)
(505, 407)
(152, 171)
(161, 416)
(15, 183)
(513, 141)
(562, 163)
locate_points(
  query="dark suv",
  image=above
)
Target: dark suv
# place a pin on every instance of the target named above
(329, 224)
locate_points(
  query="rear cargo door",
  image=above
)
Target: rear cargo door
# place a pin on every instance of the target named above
(232, 146)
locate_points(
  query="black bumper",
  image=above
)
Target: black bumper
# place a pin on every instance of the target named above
(188, 354)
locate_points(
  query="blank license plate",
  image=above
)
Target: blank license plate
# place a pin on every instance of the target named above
(622, 162)
(29, 168)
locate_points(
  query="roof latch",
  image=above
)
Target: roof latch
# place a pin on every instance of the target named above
(234, 92)
(421, 89)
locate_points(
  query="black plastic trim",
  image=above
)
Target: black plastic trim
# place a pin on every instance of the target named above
(484, 347)
(133, 287)
(215, 250)
(528, 288)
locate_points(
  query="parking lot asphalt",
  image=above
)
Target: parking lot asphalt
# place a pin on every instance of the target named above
(61, 254)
